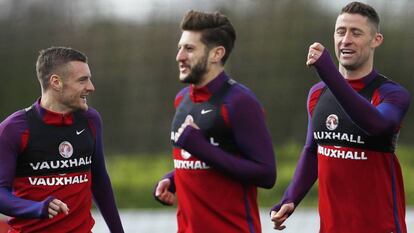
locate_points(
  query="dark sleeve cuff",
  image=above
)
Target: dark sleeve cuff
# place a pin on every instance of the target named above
(45, 208)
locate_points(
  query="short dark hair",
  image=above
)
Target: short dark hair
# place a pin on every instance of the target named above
(215, 28)
(364, 10)
(54, 58)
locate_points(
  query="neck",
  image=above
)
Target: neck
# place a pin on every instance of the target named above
(209, 76)
(49, 103)
(355, 74)
(359, 72)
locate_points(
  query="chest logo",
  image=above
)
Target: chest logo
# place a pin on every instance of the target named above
(332, 122)
(80, 131)
(205, 111)
(185, 154)
(65, 149)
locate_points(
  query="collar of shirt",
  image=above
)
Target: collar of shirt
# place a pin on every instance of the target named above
(53, 118)
(204, 93)
(359, 84)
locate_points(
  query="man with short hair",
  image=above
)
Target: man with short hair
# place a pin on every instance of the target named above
(222, 148)
(354, 119)
(51, 154)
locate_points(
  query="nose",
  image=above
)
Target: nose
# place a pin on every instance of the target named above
(180, 55)
(90, 87)
(347, 39)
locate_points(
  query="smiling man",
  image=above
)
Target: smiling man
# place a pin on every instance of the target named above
(355, 115)
(51, 154)
(222, 149)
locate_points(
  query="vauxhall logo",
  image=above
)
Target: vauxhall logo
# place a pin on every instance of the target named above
(332, 122)
(65, 149)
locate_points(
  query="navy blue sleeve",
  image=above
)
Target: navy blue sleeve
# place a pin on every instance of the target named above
(375, 120)
(11, 130)
(256, 165)
(101, 184)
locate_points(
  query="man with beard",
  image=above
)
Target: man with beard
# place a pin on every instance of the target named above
(222, 149)
(355, 115)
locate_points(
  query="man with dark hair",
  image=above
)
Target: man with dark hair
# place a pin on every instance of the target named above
(222, 149)
(51, 154)
(355, 115)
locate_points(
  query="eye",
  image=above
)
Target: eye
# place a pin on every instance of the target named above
(83, 79)
(357, 33)
(340, 32)
(189, 48)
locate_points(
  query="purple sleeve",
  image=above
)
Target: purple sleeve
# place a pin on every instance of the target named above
(101, 184)
(170, 175)
(382, 119)
(256, 165)
(11, 130)
(306, 172)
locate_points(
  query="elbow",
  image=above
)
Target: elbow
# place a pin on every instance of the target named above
(383, 129)
(270, 183)
(269, 178)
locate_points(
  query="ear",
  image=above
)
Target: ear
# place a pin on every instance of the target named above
(377, 41)
(217, 53)
(55, 82)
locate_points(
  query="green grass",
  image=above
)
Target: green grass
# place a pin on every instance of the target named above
(134, 177)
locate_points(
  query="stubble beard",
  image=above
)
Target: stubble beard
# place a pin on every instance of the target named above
(197, 72)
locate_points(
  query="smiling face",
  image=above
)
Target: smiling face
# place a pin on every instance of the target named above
(192, 58)
(76, 86)
(355, 40)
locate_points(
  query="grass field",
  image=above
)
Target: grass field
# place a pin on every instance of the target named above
(134, 177)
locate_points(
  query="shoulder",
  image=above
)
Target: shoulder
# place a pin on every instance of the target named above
(393, 92)
(318, 87)
(242, 105)
(12, 129)
(313, 96)
(240, 94)
(16, 122)
(183, 91)
(92, 115)
(180, 95)
(392, 87)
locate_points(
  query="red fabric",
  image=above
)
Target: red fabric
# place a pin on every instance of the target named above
(79, 218)
(4, 227)
(25, 140)
(198, 95)
(376, 98)
(92, 127)
(313, 99)
(195, 184)
(354, 177)
(357, 85)
(225, 115)
(53, 118)
(178, 101)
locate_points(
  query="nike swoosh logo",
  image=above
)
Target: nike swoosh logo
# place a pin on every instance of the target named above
(203, 111)
(79, 132)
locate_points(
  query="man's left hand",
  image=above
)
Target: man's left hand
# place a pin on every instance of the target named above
(189, 121)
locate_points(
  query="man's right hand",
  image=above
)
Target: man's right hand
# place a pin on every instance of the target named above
(57, 206)
(279, 217)
(162, 193)
(315, 52)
